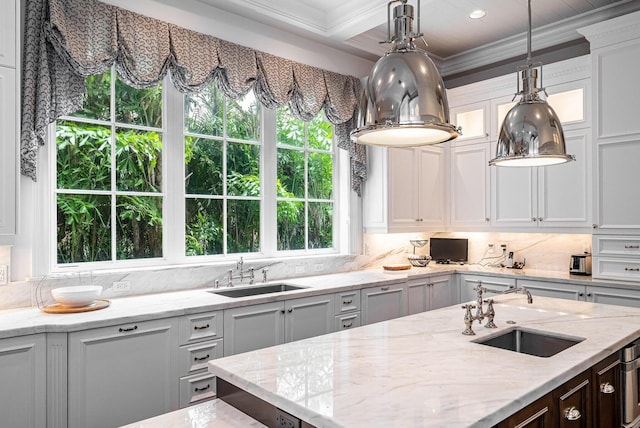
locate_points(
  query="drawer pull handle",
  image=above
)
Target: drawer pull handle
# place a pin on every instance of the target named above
(347, 325)
(632, 246)
(206, 357)
(347, 302)
(607, 388)
(204, 388)
(384, 288)
(124, 330)
(200, 327)
(632, 269)
(572, 414)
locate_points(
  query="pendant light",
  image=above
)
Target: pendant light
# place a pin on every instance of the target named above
(404, 101)
(531, 134)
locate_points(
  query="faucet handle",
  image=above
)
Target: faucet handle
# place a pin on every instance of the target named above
(491, 313)
(468, 320)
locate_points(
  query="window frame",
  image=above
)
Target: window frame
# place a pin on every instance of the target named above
(174, 197)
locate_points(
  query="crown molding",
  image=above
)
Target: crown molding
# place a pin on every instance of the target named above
(613, 31)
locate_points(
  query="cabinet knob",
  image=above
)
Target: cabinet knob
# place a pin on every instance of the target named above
(595, 226)
(589, 294)
(534, 219)
(282, 311)
(572, 414)
(540, 218)
(486, 219)
(290, 310)
(607, 388)
(384, 288)
(581, 294)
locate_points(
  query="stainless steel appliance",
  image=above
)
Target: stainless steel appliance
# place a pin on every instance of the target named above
(580, 264)
(630, 373)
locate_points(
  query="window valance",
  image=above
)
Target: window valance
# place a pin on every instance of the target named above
(67, 40)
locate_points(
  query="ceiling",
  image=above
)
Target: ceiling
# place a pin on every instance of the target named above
(455, 41)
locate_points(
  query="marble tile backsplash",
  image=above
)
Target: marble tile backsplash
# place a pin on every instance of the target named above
(544, 251)
(541, 251)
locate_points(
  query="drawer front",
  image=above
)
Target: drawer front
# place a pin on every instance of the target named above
(616, 246)
(199, 327)
(197, 388)
(194, 358)
(622, 269)
(347, 321)
(347, 301)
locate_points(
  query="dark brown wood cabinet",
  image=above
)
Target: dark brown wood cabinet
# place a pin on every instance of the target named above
(590, 400)
(607, 393)
(536, 415)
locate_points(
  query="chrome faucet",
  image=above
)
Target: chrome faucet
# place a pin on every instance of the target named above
(490, 313)
(241, 275)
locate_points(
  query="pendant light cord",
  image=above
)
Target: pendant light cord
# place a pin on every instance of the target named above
(529, 38)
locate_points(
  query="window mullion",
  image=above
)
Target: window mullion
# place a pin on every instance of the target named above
(173, 206)
(114, 167)
(269, 168)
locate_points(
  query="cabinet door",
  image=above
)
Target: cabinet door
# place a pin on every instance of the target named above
(403, 189)
(607, 394)
(564, 199)
(514, 196)
(431, 190)
(122, 374)
(536, 415)
(308, 317)
(473, 119)
(418, 295)
(7, 152)
(573, 402)
(618, 204)
(253, 327)
(553, 289)
(470, 185)
(440, 294)
(23, 388)
(383, 303)
(613, 296)
(8, 21)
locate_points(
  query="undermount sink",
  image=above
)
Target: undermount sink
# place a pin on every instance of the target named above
(531, 342)
(255, 290)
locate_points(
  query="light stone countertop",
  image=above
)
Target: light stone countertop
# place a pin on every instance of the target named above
(211, 414)
(420, 371)
(23, 321)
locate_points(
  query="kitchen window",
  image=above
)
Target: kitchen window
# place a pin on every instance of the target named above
(146, 176)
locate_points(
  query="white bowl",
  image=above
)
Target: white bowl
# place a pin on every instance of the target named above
(80, 295)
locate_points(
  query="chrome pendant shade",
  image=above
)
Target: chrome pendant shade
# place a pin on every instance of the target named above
(404, 102)
(531, 134)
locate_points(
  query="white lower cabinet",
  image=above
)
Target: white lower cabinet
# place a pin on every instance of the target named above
(553, 289)
(258, 326)
(347, 306)
(613, 295)
(430, 293)
(383, 302)
(23, 387)
(469, 281)
(122, 374)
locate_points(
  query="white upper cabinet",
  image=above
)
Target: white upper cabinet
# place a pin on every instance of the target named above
(473, 121)
(8, 33)
(405, 191)
(615, 58)
(470, 180)
(9, 114)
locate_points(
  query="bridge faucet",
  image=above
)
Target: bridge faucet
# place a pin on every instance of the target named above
(490, 312)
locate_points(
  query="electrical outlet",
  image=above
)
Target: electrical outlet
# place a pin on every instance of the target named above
(4, 274)
(121, 286)
(285, 420)
(300, 269)
(490, 249)
(318, 267)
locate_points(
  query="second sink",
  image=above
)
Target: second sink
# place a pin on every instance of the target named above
(531, 342)
(255, 290)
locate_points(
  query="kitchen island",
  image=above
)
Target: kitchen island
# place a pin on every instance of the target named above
(420, 371)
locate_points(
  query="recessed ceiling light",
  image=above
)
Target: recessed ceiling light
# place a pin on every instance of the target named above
(477, 14)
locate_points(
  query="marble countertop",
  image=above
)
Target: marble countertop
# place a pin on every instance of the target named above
(211, 414)
(23, 321)
(420, 370)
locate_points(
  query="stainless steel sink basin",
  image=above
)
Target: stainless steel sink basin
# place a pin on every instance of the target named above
(532, 342)
(255, 290)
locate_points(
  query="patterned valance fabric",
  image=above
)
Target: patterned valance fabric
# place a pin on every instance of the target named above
(64, 43)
